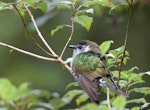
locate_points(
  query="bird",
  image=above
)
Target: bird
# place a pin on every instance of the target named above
(90, 70)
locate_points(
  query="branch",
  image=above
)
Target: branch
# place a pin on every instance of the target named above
(108, 99)
(27, 53)
(38, 56)
(39, 33)
(57, 58)
(71, 34)
(52, 53)
(29, 34)
(126, 38)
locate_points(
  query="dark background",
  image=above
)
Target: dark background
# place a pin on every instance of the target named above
(51, 75)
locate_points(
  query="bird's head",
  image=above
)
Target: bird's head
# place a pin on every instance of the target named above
(84, 46)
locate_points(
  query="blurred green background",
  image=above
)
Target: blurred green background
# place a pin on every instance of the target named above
(51, 75)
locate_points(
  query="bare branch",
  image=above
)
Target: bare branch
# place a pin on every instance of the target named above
(39, 33)
(57, 58)
(42, 48)
(126, 38)
(29, 34)
(27, 53)
(71, 34)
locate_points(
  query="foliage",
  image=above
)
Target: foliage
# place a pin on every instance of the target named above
(24, 98)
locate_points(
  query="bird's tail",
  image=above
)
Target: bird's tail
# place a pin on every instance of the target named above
(110, 83)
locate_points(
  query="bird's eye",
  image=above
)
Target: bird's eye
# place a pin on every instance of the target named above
(80, 47)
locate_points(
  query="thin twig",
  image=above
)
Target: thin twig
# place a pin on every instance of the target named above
(42, 48)
(53, 54)
(57, 58)
(126, 38)
(108, 99)
(29, 34)
(37, 56)
(127, 86)
(39, 33)
(27, 53)
(71, 34)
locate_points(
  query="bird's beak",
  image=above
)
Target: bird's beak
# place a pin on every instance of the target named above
(72, 46)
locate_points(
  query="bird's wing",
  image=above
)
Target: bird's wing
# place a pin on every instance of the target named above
(92, 88)
(89, 65)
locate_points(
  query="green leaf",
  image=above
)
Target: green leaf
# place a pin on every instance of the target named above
(64, 4)
(76, 1)
(82, 12)
(30, 2)
(85, 21)
(145, 90)
(72, 94)
(117, 52)
(114, 7)
(98, 2)
(107, 3)
(82, 98)
(23, 89)
(7, 90)
(105, 46)
(90, 3)
(117, 7)
(20, 8)
(41, 5)
(41, 93)
(57, 28)
(135, 77)
(11, 50)
(116, 103)
(72, 84)
(129, 74)
(147, 73)
(43, 105)
(57, 103)
(90, 106)
(136, 108)
(140, 100)
(103, 107)
(123, 83)
(90, 11)
(145, 105)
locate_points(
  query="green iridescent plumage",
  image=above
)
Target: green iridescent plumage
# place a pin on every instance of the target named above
(89, 64)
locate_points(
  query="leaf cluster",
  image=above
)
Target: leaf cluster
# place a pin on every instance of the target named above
(128, 80)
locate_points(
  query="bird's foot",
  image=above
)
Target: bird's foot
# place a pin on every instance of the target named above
(68, 60)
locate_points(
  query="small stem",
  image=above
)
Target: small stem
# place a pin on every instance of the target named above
(71, 34)
(127, 87)
(53, 54)
(27, 53)
(39, 33)
(125, 41)
(38, 45)
(108, 99)
(57, 58)
(38, 56)
(29, 34)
